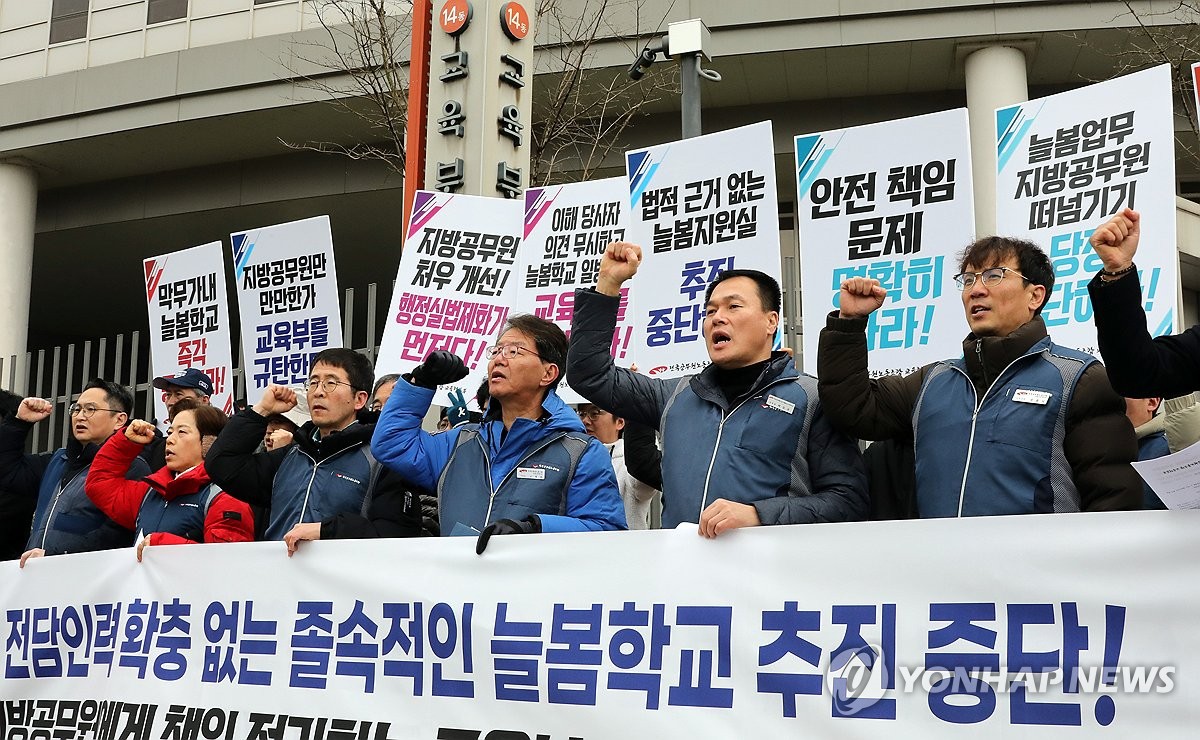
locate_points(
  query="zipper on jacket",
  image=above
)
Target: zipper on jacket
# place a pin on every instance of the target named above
(962, 490)
(54, 505)
(495, 489)
(720, 430)
(313, 477)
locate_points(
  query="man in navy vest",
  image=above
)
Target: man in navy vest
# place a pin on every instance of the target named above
(527, 467)
(65, 519)
(1017, 425)
(745, 442)
(326, 485)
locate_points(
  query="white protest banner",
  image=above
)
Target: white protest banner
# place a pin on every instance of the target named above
(899, 214)
(189, 319)
(455, 287)
(1042, 626)
(1065, 164)
(288, 299)
(697, 207)
(567, 228)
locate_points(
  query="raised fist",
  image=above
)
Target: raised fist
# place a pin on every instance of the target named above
(276, 400)
(1117, 240)
(140, 431)
(34, 409)
(860, 297)
(439, 368)
(619, 263)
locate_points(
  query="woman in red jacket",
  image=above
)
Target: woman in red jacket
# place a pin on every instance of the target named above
(177, 504)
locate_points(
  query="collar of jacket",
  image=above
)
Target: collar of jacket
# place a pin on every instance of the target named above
(328, 445)
(705, 385)
(79, 455)
(987, 357)
(1155, 425)
(170, 486)
(557, 416)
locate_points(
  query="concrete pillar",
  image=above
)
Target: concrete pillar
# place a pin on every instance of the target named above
(18, 212)
(996, 77)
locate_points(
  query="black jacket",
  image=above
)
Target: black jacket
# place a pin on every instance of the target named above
(393, 509)
(16, 512)
(1138, 366)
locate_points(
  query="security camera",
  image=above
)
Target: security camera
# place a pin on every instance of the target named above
(637, 70)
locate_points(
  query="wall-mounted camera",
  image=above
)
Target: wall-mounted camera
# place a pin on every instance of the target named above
(637, 70)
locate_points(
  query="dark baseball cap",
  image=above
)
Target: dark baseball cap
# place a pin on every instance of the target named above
(190, 378)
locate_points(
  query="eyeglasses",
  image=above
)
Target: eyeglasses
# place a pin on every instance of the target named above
(376, 406)
(510, 351)
(590, 414)
(87, 412)
(328, 385)
(991, 277)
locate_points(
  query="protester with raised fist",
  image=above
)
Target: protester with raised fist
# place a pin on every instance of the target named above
(1016, 425)
(65, 520)
(1140, 367)
(326, 484)
(177, 504)
(527, 467)
(745, 442)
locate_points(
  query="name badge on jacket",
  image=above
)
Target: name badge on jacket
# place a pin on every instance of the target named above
(531, 473)
(1023, 395)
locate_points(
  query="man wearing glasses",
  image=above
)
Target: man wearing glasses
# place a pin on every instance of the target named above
(1017, 425)
(527, 467)
(65, 519)
(326, 485)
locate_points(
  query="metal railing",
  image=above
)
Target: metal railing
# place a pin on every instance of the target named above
(59, 374)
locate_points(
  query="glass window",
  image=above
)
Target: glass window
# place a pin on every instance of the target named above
(158, 11)
(68, 20)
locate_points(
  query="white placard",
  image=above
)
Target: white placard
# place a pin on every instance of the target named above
(1068, 162)
(697, 207)
(890, 201)
(567, 228)
(189, 319)
(455, 285)
(288, 300)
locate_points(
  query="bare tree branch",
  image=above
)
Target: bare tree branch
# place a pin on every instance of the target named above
(581, 109)
(1170, 35)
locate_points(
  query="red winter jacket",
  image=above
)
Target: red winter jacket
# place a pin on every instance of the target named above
(227, 519)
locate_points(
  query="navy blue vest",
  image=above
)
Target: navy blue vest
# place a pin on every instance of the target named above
(66, 520)
(754, 452)
(538, 484)
(1007, 457)
(307, 491)
(183, 515)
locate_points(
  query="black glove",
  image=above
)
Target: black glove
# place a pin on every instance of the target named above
(531, 524)
(439, 368)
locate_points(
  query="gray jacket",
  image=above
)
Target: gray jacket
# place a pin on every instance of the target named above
(771, 448)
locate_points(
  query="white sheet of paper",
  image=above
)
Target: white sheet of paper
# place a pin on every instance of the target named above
(1175, 477)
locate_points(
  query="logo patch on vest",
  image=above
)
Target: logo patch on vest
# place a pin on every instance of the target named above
(531, 473)
(1024, 395)
(777, 403)
(355, 481)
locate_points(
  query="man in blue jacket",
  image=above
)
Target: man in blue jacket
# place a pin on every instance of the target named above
(527, 467)
(65, 519)
(744, 442)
